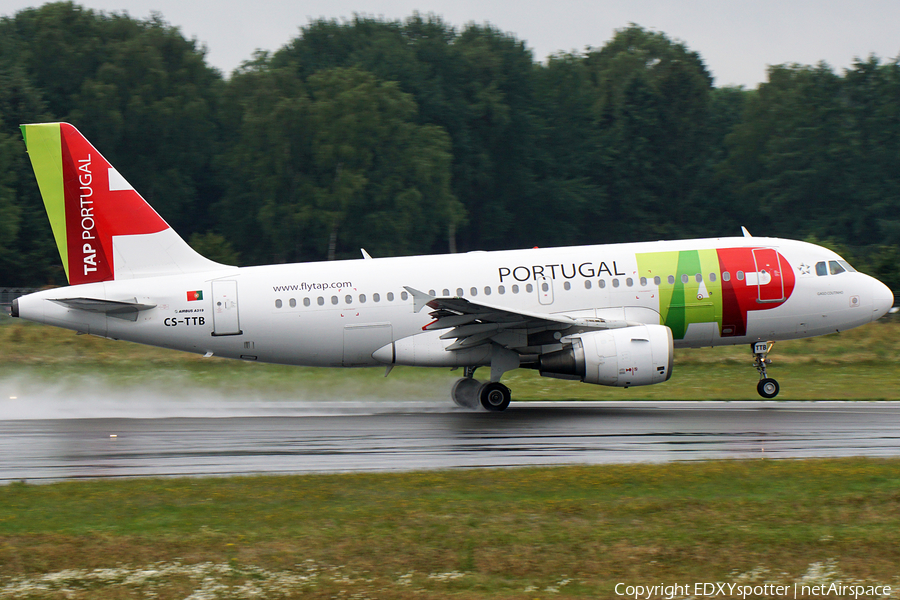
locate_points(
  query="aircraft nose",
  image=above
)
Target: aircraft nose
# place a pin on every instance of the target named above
(882, 299)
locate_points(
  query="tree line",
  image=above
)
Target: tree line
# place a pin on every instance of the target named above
(414, 136)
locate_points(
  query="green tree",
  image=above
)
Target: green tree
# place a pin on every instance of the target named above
(338, 163)
(265, 210)
(28, 255)
(871, 91)
(139, 90)
(476, 85)
(215, 247)
(652, 100)
(9, 211)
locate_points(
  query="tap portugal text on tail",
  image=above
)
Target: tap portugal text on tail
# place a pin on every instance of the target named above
(607, 314)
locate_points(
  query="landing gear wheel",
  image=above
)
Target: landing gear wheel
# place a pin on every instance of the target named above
(494, 396)
(767, 388)
(465, 392)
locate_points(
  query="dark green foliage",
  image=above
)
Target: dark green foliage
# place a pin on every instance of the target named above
(409, 137)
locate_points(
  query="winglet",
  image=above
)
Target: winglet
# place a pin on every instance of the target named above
(745, 232)
(420, 299)
(365, 254)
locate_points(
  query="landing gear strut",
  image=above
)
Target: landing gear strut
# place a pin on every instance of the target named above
(767, 387)
(468, 392)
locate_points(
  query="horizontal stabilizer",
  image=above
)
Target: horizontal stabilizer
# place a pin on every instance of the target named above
(127, 311)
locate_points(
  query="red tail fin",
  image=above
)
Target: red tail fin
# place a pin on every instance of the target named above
(103, 228)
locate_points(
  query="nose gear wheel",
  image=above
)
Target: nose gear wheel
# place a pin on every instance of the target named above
(767, 387)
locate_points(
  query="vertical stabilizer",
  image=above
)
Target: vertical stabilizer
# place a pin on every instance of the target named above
(104, 229)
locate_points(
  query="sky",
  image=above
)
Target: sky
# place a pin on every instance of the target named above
(737, 39)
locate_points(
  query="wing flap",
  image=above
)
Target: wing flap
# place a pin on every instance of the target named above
(472, 324)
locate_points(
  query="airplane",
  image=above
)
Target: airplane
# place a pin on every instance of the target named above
(608, 315)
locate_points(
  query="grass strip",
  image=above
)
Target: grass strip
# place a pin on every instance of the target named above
(513, 533)
(860, 364)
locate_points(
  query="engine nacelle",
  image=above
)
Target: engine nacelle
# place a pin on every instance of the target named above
(639, 355)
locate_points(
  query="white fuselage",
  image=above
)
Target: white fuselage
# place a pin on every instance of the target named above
(340, 313)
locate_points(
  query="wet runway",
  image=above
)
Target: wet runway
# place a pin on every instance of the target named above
(207, 438)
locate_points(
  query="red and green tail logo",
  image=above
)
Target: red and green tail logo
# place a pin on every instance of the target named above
(89, 203)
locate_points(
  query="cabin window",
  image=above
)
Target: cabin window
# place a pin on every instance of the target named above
(671, 280)
(446, 292)
(740, 275)
(643, 281)
(501, 290)
(726, 276)
(334, 300)
(292, 302)
(657, 280)
(362, 298)
(567, 286)
(432, 293)
(515, 289)
(587, 284)
(460, 293)
(473, 292)
(404, 296)
(712, 276)
(306, 302)
(545, 287)
(348, 299)
(602, 283)
(376, 297)
(615, 282)
(390, 296)
(278, 303)
(684, 278)
(835, 267)
(487, 290)
(698, 278)
(529, 288)
(629, 282)
(320, 301)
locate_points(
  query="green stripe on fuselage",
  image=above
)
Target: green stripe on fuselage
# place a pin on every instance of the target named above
(684, 302)
(44, 145)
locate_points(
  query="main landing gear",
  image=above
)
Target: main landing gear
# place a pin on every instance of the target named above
(767, 387)
(468, 392)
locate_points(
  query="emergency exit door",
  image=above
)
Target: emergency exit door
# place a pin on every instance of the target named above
(225, 308)
(769, 277)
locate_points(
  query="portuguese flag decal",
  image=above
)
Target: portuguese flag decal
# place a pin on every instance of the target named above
(196, 295)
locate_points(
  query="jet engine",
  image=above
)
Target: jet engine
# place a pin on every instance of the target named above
(637, 355)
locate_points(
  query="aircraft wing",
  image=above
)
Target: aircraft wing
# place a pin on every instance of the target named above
(472, 324)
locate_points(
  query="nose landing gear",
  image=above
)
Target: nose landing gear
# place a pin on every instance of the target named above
(767, 387)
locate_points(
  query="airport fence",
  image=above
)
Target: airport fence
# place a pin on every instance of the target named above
(7, 295)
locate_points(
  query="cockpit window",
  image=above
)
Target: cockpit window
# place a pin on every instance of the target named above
(835, 267)
(821, 269)
(846, 266)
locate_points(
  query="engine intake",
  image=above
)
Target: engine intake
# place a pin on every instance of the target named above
(639, 355)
